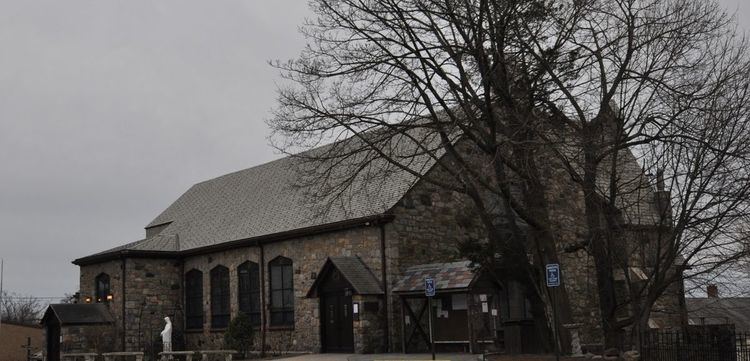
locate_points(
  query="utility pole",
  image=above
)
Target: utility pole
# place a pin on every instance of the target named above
(28, 348)
(2, 263)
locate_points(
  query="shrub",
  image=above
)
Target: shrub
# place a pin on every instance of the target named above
(239, 335)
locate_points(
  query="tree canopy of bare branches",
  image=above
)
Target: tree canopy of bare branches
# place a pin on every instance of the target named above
(590, 86)
(20, 309)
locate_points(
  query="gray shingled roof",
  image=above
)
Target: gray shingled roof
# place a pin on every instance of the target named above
(79, 314)
(272, 198)
(276, 197)
(359, 276)
(448, 276)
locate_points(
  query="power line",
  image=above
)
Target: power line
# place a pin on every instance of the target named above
(34, 297)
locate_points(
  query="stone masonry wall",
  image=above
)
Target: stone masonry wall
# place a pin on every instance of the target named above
(153, 290)
(428, 223)
(567, 215)
(369, 332)
(96, 338)
(429, 220)
(87, 289)
(309, 255)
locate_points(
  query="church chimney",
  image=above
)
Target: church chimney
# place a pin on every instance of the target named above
(712, 291)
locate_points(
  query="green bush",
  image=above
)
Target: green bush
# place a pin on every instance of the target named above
(239, 335)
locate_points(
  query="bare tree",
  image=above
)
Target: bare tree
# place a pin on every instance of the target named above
(20, 309)
(495, 93)
(70, 298)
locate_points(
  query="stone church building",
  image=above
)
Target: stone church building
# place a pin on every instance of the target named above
(346, 279)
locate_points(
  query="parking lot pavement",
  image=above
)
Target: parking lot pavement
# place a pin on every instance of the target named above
(382, 357)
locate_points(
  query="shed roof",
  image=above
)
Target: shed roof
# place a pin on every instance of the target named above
(354, 271)
(712, 311)
(79, 314)
(452, 276)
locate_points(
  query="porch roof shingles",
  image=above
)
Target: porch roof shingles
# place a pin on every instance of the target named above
(358, 275)
(448, 276)
(79, 314)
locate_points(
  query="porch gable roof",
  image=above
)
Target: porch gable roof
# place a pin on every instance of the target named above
(354, 270)
(451, 276)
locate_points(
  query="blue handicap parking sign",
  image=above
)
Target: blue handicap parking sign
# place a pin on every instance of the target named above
(429, 287)
(553, 275)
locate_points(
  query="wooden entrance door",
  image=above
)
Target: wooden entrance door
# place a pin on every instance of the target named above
(53, 341)
(337, 322)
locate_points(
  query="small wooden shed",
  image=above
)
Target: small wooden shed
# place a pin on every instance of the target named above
(65, 326)
(465, 309)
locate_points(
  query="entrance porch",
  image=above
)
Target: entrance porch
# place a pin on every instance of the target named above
(351, 307)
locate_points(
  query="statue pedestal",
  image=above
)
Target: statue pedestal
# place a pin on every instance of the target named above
(575, 339)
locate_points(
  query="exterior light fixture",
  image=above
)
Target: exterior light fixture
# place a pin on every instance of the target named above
(88, 299)
(110, 297)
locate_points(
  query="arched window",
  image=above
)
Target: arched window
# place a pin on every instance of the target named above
(282, 292)
(194, 299)
(219, 297)
(102, 287)
(248, 291)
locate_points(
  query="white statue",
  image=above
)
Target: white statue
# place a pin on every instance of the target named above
(575, 343)
(166, 335)
(575, 338)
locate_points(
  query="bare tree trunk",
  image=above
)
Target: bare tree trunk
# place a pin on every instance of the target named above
(598, 234)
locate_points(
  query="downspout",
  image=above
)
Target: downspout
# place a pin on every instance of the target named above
(262, 301)
(384, 274)
(124, 279)
(181, 306)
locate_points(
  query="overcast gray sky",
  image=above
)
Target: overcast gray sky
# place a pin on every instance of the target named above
(109, 110)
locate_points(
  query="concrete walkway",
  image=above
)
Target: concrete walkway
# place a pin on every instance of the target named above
(383, 357)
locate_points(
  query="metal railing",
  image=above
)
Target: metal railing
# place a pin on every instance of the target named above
(711, 344)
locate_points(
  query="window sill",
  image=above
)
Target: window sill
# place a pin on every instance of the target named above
(194, 330)
(218, 329)
(281, 328)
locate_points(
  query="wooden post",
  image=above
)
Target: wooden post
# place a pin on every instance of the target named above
(469, 311)
(403, 325)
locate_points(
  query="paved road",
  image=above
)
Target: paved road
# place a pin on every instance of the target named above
(381, 357)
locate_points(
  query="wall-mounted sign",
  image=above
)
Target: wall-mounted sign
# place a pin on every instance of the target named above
(553, 275)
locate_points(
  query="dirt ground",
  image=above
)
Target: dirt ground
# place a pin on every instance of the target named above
(529, 358)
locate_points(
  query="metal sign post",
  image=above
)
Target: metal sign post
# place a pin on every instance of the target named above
(429, 291)
(553, 281)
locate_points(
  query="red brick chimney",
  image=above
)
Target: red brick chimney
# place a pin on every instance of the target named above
(712, 291)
